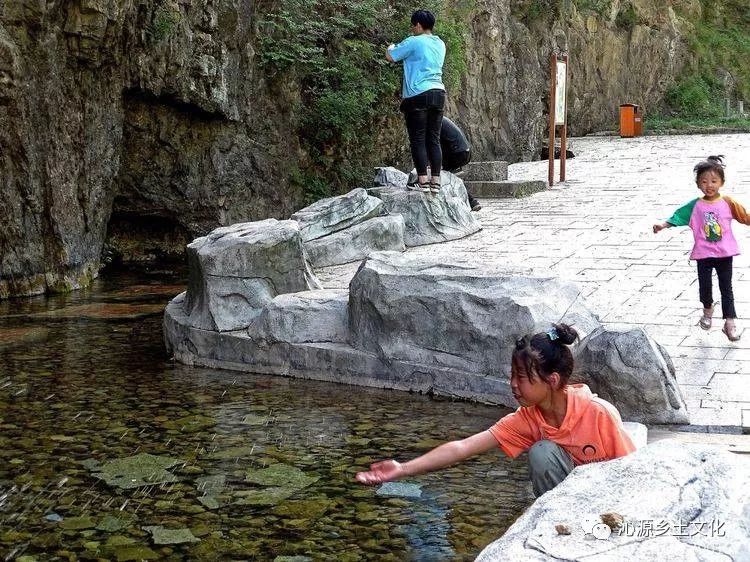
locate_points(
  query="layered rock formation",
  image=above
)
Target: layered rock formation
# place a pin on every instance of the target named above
(152, 118)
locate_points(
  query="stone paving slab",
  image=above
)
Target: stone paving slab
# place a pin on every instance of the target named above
(595, 229)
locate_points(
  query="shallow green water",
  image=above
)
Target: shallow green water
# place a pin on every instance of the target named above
(84, 380)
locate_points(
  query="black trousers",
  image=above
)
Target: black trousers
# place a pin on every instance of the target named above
(455, 160)
(723, 267)
(424, 119)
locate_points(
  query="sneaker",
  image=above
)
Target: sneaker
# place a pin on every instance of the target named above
(423, 187)
(474, 204)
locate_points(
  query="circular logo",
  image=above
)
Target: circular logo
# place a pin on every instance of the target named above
(589, 450)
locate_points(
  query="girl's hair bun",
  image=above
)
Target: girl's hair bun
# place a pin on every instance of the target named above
(566, 334)
(719, 159)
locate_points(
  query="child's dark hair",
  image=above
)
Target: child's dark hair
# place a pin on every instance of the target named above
(713, 164)
(424, 18)
(546, 353)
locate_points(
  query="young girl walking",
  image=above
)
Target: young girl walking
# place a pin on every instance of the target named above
(559, 424)
(710, 219)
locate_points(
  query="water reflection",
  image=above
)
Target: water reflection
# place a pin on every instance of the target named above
(108, 450)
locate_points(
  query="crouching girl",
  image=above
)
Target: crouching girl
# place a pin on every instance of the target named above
(561, 425)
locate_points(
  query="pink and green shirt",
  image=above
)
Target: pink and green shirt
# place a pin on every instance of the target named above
(711, 223)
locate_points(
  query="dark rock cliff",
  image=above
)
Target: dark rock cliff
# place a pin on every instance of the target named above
(149, 121)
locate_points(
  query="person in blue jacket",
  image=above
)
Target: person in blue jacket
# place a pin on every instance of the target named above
(423, 96)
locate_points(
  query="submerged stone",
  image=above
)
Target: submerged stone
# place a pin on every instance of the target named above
(400, 489)
(114, 523)
(304, 509)
(77, 523)
(235, 453)
(281, 475)
(191, 424)
(268, 496)
(139, 470)
(161, 535)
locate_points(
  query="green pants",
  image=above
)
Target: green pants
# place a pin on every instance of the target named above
(549, 464)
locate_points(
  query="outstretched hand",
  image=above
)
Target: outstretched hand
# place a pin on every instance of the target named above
(383, 471)
(658, 227)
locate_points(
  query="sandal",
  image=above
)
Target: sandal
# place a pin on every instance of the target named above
(435, 187)
(416, 186)
(731, 333)
(705, 322)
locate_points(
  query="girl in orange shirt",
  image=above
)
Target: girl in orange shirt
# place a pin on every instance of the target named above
(561, 425)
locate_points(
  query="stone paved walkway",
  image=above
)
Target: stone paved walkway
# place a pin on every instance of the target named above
(596, 230)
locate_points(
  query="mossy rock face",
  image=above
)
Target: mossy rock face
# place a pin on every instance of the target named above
(139, 470)
(281, 475)
(161, 535)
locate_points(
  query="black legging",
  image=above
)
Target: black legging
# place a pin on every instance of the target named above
(424, 118)
(723, 267)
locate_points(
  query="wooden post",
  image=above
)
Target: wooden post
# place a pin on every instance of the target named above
(552, 99)
(564, 135)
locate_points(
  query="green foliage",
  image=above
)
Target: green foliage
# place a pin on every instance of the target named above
(535, 10)
(601, 7)
(163, 24)
(720, 48)
(627, 18)
(334, 51)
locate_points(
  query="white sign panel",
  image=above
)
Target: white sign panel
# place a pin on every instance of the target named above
(560, 89)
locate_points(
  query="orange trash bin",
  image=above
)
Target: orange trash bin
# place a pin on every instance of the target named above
(631, 120)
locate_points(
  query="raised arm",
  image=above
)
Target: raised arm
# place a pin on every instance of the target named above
(439, 457)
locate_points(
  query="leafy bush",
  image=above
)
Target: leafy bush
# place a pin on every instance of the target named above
(719, 46)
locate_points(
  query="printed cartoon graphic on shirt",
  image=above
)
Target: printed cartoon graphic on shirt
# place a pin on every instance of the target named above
(711, 227)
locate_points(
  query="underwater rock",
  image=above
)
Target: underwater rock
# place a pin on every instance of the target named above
(161, 535)
(400, 490)
(139, 470)
(281, 475)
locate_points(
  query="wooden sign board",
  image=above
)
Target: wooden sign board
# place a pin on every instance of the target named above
(558, 113)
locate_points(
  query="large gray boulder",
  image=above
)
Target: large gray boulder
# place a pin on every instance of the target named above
(461, 317)
(429, 218)
(630, 370)
(678, 501)
(357, 242)
(236, 270)
(336, 213)
(309, 316)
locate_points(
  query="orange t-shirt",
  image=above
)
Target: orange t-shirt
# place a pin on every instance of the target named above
(592, 430)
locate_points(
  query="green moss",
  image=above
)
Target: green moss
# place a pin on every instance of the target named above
(163, 24)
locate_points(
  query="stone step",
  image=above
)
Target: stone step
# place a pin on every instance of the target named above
(504, 189)
(494, 170)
